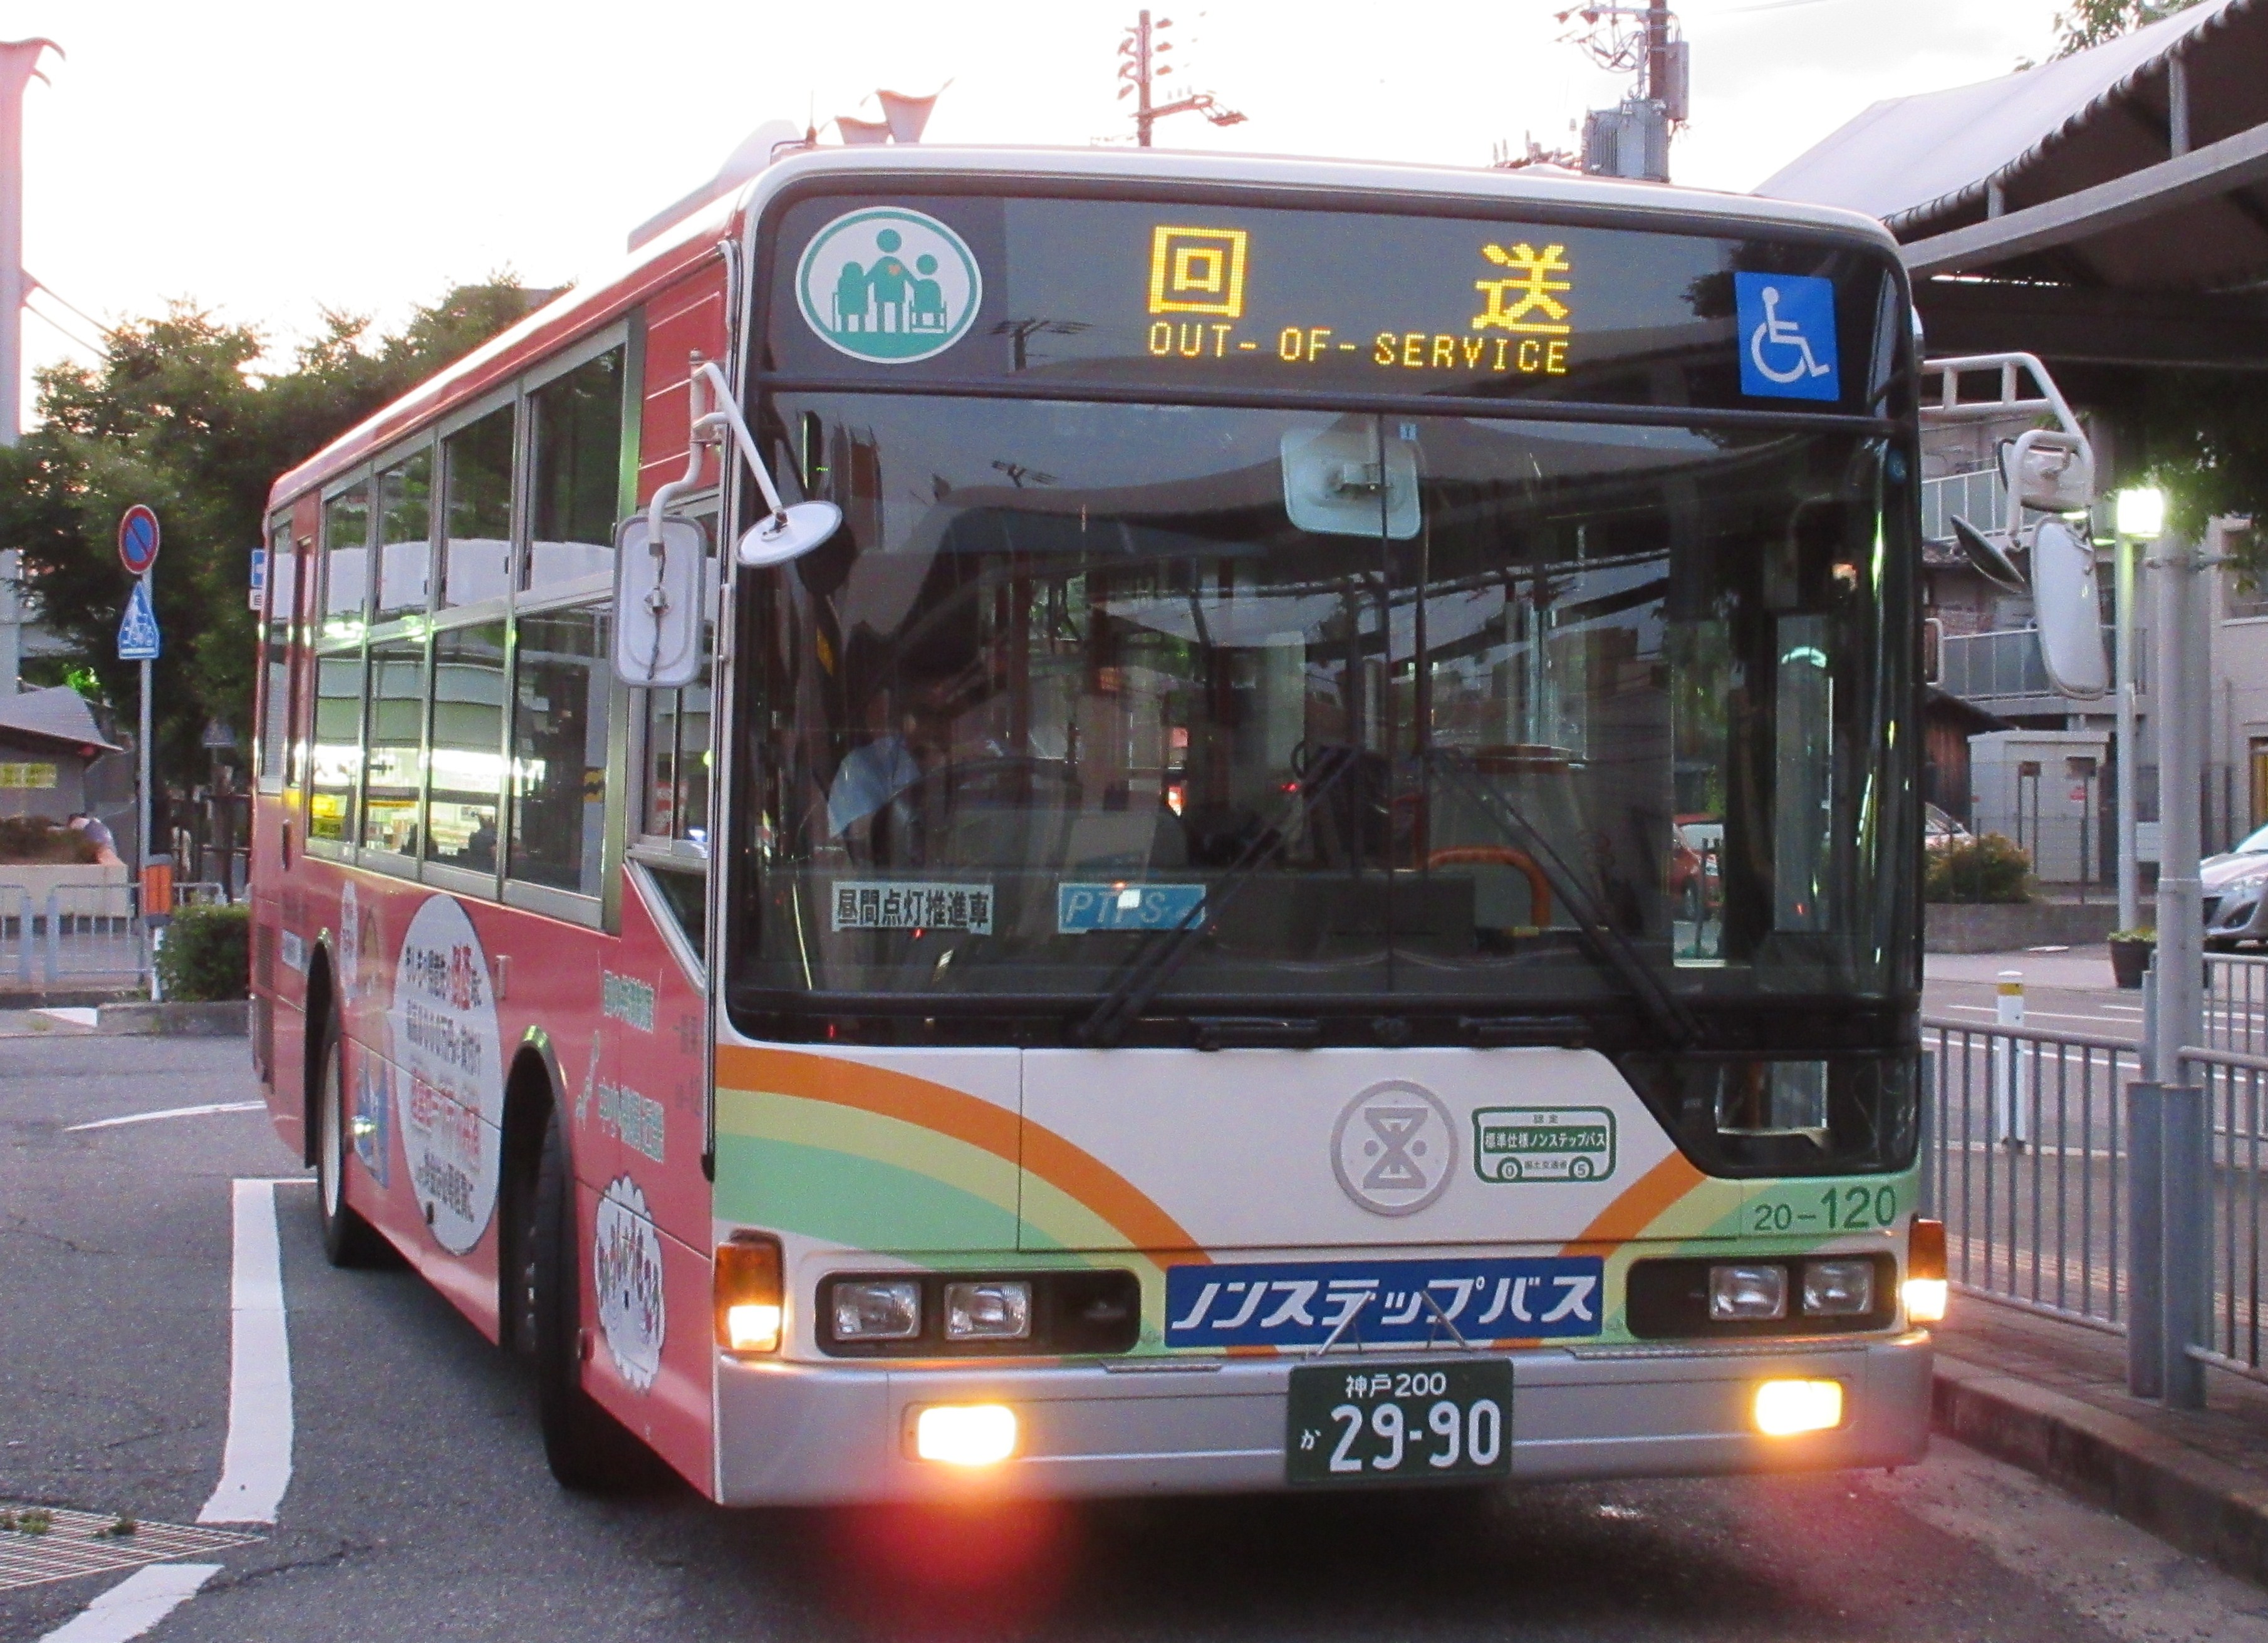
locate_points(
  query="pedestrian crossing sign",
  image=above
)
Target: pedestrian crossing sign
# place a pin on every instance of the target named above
(137, 629)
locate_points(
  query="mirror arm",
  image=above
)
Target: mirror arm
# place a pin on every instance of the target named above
(727, 415)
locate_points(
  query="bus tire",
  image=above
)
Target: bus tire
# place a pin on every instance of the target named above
(589, 1450)
(348, 1239)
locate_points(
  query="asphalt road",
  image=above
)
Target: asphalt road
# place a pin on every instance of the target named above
(2064, 992)
(419, 1508)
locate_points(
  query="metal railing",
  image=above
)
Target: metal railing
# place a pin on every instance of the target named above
(2237, 1003)
(2005, 662)
(2236, 1104)
(94, 931)
(1976, 497)
(2025, 1163)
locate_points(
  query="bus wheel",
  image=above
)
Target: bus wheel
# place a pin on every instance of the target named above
(587, 1450)
(348, 1239)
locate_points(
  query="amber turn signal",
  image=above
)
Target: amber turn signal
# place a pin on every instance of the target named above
(748, 1292)
(1925, 1288)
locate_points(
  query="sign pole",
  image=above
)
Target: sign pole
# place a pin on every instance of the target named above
(141, 782)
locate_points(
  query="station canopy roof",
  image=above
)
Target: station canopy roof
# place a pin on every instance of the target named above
(2106, 208)
(57, 714)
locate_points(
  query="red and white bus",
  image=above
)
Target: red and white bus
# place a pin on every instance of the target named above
(1158, 945)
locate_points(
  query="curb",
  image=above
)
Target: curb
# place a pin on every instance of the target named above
(228, 1020)
(2183, 1497)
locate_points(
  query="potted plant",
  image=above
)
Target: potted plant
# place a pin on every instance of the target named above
(2130, 954)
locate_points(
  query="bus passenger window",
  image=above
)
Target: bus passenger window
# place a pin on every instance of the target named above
(397, 702)
(467, 762)
(577, 475)
(676, 804)
(338, 746)
(405, 553)
(275, 693)
(346, 553)
(476, 545)
(559, 750)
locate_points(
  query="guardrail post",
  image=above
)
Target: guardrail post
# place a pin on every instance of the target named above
(2187, 1263)
(1927, 1143)
(2146, 1316)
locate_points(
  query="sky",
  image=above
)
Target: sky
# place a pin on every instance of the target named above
(267, 161)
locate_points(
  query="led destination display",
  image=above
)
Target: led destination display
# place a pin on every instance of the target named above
(1199, 294)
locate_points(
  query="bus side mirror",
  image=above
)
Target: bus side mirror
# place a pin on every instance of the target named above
(658, 613)
(789, 534)
(2069, 610)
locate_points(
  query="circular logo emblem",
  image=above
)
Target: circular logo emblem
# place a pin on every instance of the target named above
(888, 285)
(1394, 1148)
(625, 1271)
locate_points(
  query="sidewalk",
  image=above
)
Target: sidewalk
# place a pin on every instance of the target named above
(2051, 1397)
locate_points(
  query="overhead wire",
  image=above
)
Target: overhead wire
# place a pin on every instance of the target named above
(54, 324)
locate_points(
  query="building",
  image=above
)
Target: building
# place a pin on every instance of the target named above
(2108, 212)
(55, 761)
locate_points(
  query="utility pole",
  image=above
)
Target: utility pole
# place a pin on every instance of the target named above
(19, 65)
(1140, 67)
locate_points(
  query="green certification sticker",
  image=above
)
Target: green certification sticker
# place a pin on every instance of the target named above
(888, 285)
(1543, 1143)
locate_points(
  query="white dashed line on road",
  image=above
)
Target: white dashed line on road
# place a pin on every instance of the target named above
(256, 1465)
(169, 1112)
(134, 1604)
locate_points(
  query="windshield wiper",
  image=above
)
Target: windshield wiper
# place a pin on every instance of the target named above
(1613, 950)
(1149, 970)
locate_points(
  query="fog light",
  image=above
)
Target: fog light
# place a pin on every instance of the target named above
(1925, 1292)
(747, 1290)
(987, 1312)
(1741, 1294)
(1838, 1289)
(1785, 1408)
(965, 1434)
(877, 1309)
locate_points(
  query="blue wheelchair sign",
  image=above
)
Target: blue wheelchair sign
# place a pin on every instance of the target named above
(1787, 336)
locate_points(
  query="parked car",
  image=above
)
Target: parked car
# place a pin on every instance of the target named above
(2236, 893)
(1940, 831)
(1694, 875)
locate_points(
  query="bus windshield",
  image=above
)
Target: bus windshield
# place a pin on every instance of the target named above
(1358, 712)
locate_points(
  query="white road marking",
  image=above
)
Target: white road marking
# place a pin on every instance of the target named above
(134, 1604)
(169, 1112)
(256, 1464)
(70, 1015)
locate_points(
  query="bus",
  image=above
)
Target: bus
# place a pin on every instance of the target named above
(1164, 945)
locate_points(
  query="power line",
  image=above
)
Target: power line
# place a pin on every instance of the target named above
(42, 285)
(53, 324)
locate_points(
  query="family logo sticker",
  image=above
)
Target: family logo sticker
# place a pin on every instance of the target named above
(888, 285)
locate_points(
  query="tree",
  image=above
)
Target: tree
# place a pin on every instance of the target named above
(2091, 22)
(178, 415)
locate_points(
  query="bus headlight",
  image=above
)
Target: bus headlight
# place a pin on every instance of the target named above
(1925, 1291)
(747, 1294)
(1741, 1294)
(877, 1308)
(999, 1311)
(965, 1434)
(1838, 1289)
(1787, 1408)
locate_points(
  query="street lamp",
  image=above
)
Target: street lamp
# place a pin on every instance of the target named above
(2137, 515)
(2142, 513)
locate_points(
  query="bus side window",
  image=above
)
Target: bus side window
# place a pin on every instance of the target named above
(576, 477)
(275, 676)
(559, 769)
(336, 761)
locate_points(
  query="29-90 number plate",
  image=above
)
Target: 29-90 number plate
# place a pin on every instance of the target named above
(1354, 1423)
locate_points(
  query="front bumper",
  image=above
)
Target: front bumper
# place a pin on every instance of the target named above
(794, 1433)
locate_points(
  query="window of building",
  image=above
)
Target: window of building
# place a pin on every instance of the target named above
(405, 528)
(346, 555)
(677, 764)
(476, 548)
(576, 478)
(559, 750)
(467, 760)
(391, 749)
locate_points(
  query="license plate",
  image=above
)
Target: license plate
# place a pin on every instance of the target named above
(1354, 1423)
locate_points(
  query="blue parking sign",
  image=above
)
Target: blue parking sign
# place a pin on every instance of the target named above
(1787, 336)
